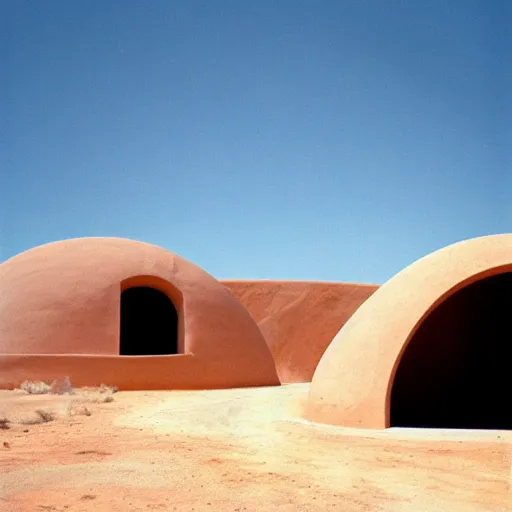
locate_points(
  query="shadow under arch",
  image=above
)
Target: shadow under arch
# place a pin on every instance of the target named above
(452, 371)
(151, 318)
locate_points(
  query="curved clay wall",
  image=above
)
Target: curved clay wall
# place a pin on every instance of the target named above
(60, 316)
(299, 318)
(352, 385)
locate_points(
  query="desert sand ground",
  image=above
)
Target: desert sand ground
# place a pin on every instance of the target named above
(234, 450)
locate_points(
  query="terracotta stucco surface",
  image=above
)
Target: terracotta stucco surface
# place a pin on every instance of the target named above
(60, 312)
(353, 381)
(299, 318)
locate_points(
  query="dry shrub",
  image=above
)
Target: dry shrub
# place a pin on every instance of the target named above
(42, 417)
(104, 399)
(108, 389)
(46, 416)
(61, 387)
(85, 411)
(82, 411)
(57, 387)
(35, 387)
(4, 423)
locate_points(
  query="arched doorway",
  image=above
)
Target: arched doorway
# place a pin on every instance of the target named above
(454, 372)
(149, 323)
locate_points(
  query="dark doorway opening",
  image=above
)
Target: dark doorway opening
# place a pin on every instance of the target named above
(455, 372)
(149, 323)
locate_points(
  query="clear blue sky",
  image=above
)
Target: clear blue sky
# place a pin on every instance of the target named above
(332, 140)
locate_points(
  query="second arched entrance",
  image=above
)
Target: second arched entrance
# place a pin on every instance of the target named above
(454, 372)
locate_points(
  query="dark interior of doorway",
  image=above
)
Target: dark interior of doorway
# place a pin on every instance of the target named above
(149, 323)
(455, 372)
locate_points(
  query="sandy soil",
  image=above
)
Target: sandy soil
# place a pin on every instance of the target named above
(235, 450)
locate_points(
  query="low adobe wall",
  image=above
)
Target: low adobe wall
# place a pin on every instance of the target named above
(299, 318)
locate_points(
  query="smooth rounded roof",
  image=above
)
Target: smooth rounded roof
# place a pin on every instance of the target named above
(352, 383)
(64, 298)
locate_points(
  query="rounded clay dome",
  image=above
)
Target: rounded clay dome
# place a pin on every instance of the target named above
(353, 381)
(60, 313)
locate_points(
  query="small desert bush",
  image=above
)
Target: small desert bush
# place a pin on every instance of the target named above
(61, 387)
(108, 389)
(104, 399)
(42, 417)
(45, 416)
(82, 411)
(35, 387)
(57, 387)
(4, 423)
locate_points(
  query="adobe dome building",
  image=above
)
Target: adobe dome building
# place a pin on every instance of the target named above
(430, 348)
(124, 313)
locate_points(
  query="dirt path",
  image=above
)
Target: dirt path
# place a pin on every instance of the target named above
(239, 450)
